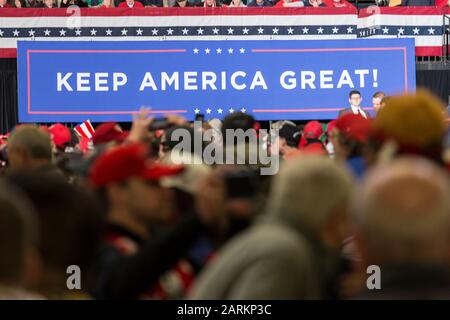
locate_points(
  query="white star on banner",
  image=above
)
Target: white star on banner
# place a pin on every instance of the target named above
(215, 31)
(196, 51)
(385, 30)
(1, 33)
(231, 110)
(154, 31)
(320, 30)
(290, 30)
(260, 30)
(207, 50)
(62, 32)
(230, 30)
(77, 32)
(431, 31)
(169, 31)
(243, 110)
(400, 30)
(349, 30)
(31, 33)
(335, 30)
(416, 30)
(108, 32)
(241, 50)
(93, 32)
(139, 32)
(199, 31)
(230, 51)
(196, 111)
(16, 33)
(220, 110)
(305, 30)
(124, 32)
(219, 51)
(275, 30)
(208, 111)
(245, 31)
(185, 31)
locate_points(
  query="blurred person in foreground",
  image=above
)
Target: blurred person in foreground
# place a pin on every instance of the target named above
(287, 140)
(19, 233)
(144, 255)
(294, 252)
(349, 137)
(70, 223)
(412, 124)
(402, 214)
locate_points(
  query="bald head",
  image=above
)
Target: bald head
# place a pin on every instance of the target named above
(29, 147)
(403, 211)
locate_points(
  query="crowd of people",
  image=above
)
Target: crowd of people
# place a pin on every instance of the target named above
(127, 215)
(167, 3)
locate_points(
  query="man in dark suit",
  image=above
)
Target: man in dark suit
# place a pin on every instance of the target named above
(355, 105)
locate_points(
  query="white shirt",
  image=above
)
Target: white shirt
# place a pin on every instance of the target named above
(358, 110)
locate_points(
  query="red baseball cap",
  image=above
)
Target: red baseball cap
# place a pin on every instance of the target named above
(124, 162)
(60, 135)
(312, 130)
(107, 132)
(354, 127)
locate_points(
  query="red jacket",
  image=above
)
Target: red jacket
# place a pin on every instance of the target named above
(137, 4)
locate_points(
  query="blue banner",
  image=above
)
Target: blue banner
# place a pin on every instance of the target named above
(270, 79)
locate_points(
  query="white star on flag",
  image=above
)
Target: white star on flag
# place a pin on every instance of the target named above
(93, 32)
(320, 30)
(260, 30)
(245, 31)
(196, 111)
(124, 32)
(275, 30)
(335, 30)
(431, 31)
(1, 33)
(207, 50)
(230, 30)
(215, 31)
(195, 50)
(305, 30)
(290, 30)
(170, 31)
(154, 32)
(243, 110)
(220, 110)
(231, 110)
(139, 32)
(199, 31)
(219, 51)
(185, 31)
(208, 111)
(108, 32)
(416, 30)
(230, 51)
(349, 30)
(16, 33)
(62, 32)
(385, 30)
(77, 32)
(31, 33)
(400, 30)
(241, 50)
